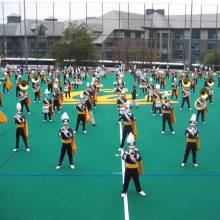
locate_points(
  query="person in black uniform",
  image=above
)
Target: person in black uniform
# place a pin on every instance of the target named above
(167, 109)
(81, 109)
(127, 118)
(174, 89)
(21, 129)
(157, 104)
(66, 133)
(186, 93)
(192, 135)
(56, 98)
(134, 96)
(47, 106)
(23, 95)
(133, 162)
(89, 106)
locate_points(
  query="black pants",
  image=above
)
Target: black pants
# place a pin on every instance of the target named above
(210, 98)
(81, 118)
(127, 129)
(190, 147)
(36, 96)
(131, 173)
(20, 132)
(180, 83)
(185, 99)
(17, 91)
(166, 117)
(24, 103)
(202, 112)
(56, 104)
(50, 87)
(162, 85)
(67, 93)
(45, 116)
(68, 148)
(173, 93)
(1, 103)
(76, 86)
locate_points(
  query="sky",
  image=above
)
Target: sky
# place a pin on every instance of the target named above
(94, 7)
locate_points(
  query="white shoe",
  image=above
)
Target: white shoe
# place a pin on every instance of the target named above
(120, 149)
(45, 120)
(51, 120)
(183, 164)
(203, 122)
(154, 114)
(123, 195)
(15, 149)
(173, 132)
(142, 193)
(28, 149)
(181, 109)
(190, 109)
(161, 114)
(195, 164)
(58, 167)
(85, 132)
(72, 166)
(29, 113)
(162, 132)
(74, 132)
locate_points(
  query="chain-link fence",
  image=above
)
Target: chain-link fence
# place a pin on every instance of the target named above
(121, 31)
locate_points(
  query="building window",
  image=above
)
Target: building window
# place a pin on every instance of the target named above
(164, 40)
(179, 35)
(9, 47)
(211, 46)
(179, 56)
(179, 46)
(32, 47)
(137, 34)
(127, 33)
(41, 30)
(164, 57)
(212, 34)
(108, 55)
(42, 47)
(196, 34)
(109, 44)
(195, 46)
(158, 41)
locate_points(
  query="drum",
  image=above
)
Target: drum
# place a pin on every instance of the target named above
(99, 86)
(150, 93)
(65, 88)
(158, 104)
(45, 109)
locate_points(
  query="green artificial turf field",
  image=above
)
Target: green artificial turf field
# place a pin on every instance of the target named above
(32, 189)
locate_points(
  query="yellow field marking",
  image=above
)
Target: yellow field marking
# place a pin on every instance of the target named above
(104, 99)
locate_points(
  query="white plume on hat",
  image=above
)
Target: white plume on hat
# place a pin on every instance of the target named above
(18, 107)
(193, 119)
(130, 139)
(47, 92)
(81, 96)
(151, 80)
(88, 84)
(157, 86)
(64, 116)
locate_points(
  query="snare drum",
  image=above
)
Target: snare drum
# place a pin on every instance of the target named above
(158, 104)
(150, 93)
(45, 109)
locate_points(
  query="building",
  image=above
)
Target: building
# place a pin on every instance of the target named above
(116, 34)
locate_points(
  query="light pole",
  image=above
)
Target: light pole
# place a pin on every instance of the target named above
(190, 38)
(25, 36)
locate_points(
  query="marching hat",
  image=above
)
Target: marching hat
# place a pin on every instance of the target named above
(157, 86)
(18, 107)
(131, 140)
(65, 118)
(192, 120)
(47, 92)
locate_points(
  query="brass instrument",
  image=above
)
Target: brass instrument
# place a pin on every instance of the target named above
(23, 85)
(200, 103)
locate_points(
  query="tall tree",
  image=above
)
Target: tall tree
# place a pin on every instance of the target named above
(212, 58)
(76, 44)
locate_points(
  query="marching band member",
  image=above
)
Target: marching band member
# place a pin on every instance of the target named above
(201, 105)
(36, 88)
(134, 96)
(210, 87)
(76, 81)
(23, 96)
(121, 101)
(67, 86)
(43, 77)
(186, 93)
(50, 82)
(89, 106)
(150, 89)
(174, 89)
(168, 115)
(193, 83)
(47, 106)
(18, 81)
(68, 142)
(22, 128)
(81, 109)
(1, 98)
(128, 120)
(56, 98)
(218, 79)
(157, 104)
(162, 79)
(192, 138)
(134, 167)
(7, 85)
